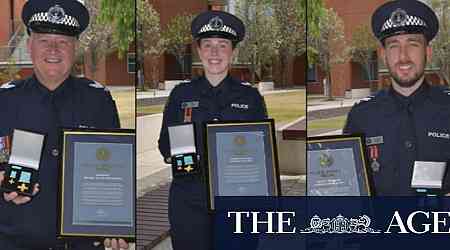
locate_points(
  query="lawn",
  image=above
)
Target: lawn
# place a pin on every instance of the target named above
(149, 110)
(283, 107)
(125, 102)
(332, 123)
(286, 107)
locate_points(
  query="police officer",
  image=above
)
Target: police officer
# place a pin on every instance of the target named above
(214, 96)
(409, 121)
(51, 98)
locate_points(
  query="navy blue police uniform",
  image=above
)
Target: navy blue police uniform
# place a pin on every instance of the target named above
(400, 130)
(201, 102)
(29, 105)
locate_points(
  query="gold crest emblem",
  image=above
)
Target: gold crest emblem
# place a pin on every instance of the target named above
(103, 154)
(240, 140)
(325, 160)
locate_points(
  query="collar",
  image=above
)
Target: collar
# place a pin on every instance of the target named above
(223, 87)
(43, 91)
(415, 99)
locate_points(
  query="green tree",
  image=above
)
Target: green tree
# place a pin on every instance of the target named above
(121, 14)
(441, 44)
(258, 47)
(10, 72)
(314, 12)
(363, 47)
(291, 35)
(97, 40)
(150, 40)
(177, 37)
(329, 46)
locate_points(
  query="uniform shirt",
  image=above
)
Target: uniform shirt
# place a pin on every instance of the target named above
(230, 100)
(28, 105)
(414, 128)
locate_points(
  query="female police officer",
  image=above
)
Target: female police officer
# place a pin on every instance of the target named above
(214, 96)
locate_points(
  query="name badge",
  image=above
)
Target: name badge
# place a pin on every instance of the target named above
(374, 140)
(193, 104)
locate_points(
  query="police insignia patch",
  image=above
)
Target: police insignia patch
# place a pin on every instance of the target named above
(56, 14)
(216, 23)
(399, 17)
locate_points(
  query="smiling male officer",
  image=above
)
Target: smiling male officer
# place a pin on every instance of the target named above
(43, 103)
(410, 121)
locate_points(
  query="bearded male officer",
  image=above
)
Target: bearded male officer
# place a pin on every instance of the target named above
(410, 121)
(43, 103)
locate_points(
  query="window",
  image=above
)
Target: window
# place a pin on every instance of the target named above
(311, 75)
(131, 63)
(373, 68)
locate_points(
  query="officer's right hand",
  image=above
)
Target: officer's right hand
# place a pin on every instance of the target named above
(14, 196)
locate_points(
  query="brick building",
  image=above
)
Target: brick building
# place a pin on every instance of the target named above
(350, 78)
(170, 69)
(13, 37)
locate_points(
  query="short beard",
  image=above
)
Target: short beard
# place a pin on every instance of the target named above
(411, 82)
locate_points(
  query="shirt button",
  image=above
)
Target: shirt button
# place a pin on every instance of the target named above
(55, 152)
(409, 144)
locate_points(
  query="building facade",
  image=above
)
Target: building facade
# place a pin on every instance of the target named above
(13, 51)
(350, 78)
(170, 69)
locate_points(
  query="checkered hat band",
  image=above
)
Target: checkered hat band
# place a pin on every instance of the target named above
(410, 21)
(43, 17)
(224, 28)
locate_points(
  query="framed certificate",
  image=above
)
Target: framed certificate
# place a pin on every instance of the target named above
(337, 166)
(97, 188)
(242, 159)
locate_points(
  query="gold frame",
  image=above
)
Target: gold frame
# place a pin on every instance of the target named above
(360, 139)
(113, 132)
(272, 139)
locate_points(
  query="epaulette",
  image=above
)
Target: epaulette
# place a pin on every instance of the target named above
(440, 94)
(11, 85)
(446, 92)
(8, 85)
(364, 100)
(184, 82)
(97, 85)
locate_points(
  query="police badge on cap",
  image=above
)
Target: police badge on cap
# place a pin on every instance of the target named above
(64, 17)
(404, 17)
(218, 24)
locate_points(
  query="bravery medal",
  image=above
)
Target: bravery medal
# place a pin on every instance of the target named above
(375, 165)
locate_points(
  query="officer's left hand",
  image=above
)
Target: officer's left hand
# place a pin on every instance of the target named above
(14, 196)
(115, 244)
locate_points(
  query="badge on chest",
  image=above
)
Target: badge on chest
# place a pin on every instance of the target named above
(187, 108)
(373, 144)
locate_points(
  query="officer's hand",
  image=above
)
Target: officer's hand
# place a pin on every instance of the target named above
(115, 244)
(14, 196)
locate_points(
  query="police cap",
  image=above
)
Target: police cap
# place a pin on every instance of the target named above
(218, 24)
(404, 17)
(64, 17)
